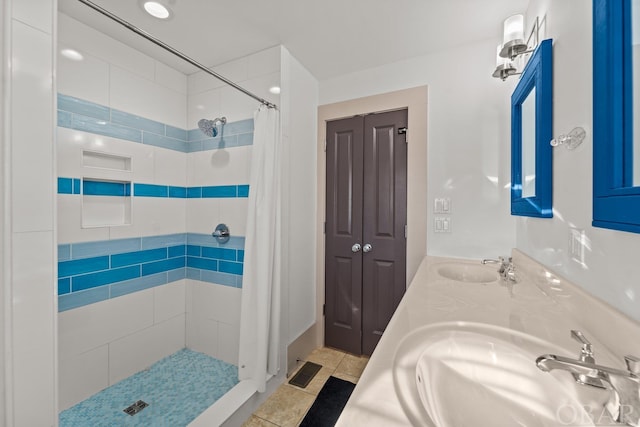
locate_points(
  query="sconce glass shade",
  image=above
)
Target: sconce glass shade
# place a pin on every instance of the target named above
(513, 42)
(504, 67)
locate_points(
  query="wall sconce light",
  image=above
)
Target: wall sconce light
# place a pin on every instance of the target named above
(514, 45)
(570, 140)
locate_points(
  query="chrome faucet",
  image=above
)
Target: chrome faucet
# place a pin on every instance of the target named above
(624, 402)
(506, 269)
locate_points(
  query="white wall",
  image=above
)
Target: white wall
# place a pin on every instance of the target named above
(28, 181)
(611, 267)
(468, 141)
(299, 128)
(3, 214)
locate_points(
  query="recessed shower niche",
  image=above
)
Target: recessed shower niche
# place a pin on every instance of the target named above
(105, 203)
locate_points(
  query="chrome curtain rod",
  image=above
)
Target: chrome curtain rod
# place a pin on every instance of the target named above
(176, 52)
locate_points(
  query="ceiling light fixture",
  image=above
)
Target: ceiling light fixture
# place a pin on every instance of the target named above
(156, 9)
(275, 90)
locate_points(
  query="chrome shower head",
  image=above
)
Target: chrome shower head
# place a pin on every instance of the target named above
(208, 127)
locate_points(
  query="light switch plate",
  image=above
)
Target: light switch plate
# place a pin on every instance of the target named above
(442, 205)
(577, 244)
(442, 224)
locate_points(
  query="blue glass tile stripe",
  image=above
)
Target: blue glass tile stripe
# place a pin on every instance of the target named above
(82, 107)
(81, 266)
(136, 122)
(65, 186)
(139, 257)
(110, 188)
(220, 191)
(150, 190)
(94, 280)
(155, 260)
(105, 188)
(83, 115)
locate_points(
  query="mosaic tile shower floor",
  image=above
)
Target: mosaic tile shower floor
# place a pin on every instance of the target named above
(177, 388)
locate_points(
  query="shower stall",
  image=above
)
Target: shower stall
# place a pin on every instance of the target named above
(149, 294)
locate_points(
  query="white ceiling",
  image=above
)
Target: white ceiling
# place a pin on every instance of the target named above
(330, 37)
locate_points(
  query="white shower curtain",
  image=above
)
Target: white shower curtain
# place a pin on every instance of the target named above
(260, 307)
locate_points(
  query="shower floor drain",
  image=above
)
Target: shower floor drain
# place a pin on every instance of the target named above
(136, 407)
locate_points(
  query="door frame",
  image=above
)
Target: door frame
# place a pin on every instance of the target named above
(415, 101)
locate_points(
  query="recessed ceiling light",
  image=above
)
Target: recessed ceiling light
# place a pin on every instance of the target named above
(74, 55)
(157, 10)
(274, 90)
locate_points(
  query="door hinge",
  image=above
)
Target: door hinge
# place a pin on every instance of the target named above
(405, 231)
(403, 131)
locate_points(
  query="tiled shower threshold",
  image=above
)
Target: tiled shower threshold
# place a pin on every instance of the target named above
(177, 389)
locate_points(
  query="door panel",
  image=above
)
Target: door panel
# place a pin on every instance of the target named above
(385, 216)
(343, 276)
(366, 203)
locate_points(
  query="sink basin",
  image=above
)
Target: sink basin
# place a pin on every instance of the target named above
(469, 273)
(469, 374)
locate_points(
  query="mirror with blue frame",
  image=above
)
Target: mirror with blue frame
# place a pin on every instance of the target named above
(531, 133)
(616, 108)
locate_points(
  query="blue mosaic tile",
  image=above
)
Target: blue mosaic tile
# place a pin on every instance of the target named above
(193, 146)
(220, 142)
(240, 256)
(76, 185)
(193, 273)
(195, 135)
(106, 188)
(194, 250)
(219, 253)
(175, 251)
(178, 388)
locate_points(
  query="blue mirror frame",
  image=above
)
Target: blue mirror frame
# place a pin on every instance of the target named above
(537, 74)
(616, 202)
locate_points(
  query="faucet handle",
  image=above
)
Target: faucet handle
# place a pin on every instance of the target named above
(633, 364)
(587, 348)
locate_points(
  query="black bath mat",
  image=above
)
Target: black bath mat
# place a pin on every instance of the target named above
(305, 374)
(329, 404)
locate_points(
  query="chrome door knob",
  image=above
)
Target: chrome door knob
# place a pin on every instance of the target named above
(367, 248)
(356, 248)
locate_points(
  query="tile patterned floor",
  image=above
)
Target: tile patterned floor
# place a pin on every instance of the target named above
(288, 405)
(177, 388)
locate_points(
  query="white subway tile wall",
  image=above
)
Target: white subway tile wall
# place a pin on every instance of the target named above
(132, 294)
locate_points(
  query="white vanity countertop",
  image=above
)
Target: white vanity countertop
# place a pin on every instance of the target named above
(540, 304)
